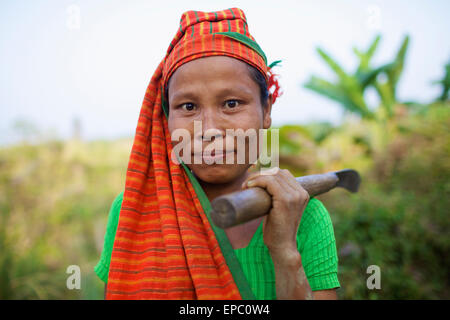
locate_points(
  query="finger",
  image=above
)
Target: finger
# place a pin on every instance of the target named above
(286, 180)
(289, 189)
(299, 191)
(271, 184)
(290, 179)
(270, 172)
(251, 176)
(277, 187)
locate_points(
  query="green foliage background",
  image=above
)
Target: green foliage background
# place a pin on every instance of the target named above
(54, 201)
(55, 195)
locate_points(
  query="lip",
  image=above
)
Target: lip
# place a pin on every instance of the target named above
(213, 156)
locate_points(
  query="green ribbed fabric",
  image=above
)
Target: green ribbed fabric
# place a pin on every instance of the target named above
(317, 247)
(315, 242)
(102, 267)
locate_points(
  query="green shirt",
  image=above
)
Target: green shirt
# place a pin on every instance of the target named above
(315, 242)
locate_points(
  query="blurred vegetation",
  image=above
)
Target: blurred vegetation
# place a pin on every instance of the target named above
(445, 83)
(54, 200)
(349, 89)
(399, 219)
(55, 195)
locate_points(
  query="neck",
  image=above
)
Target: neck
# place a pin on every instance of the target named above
(214, 190)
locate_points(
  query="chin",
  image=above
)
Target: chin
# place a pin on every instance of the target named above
(218, 173)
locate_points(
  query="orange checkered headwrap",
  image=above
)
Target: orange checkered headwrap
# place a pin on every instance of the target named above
(165, 245)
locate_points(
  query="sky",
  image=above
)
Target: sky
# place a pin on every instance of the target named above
(92, 60)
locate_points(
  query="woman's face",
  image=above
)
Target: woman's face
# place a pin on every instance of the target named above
(220, 92)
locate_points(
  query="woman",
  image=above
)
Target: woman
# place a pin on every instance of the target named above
(160, 242)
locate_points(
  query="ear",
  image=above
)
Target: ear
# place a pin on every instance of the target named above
(267, 119)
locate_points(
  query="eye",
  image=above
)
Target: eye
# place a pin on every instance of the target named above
(231, 103)
(187, 106)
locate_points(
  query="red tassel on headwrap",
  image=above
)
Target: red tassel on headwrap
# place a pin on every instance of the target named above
(273, 86)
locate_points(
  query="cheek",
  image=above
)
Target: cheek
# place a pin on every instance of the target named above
(180, 132)
(170, 124)
(174, 123)
(252, 118)
(255, 121)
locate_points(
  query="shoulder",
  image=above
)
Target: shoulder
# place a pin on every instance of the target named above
(317, 246)
(102, 267)
(315, 213)
(113, 217)
(118, 200)
(315, 225)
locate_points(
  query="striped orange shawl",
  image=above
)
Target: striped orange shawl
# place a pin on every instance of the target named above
(165, 245)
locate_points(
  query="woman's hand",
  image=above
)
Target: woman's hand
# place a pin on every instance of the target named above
(289, 199)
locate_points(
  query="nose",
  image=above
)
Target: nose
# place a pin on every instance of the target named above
(211, 126)
(211, 134)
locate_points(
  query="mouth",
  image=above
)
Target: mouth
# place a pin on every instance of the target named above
(213, 155)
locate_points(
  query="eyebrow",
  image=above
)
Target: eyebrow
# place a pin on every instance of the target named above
(183, 94)
(188, 94)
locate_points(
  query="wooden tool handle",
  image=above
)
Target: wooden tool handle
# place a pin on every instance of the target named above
(242, 206)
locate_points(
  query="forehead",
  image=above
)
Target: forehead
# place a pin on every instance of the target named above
(211, 69)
